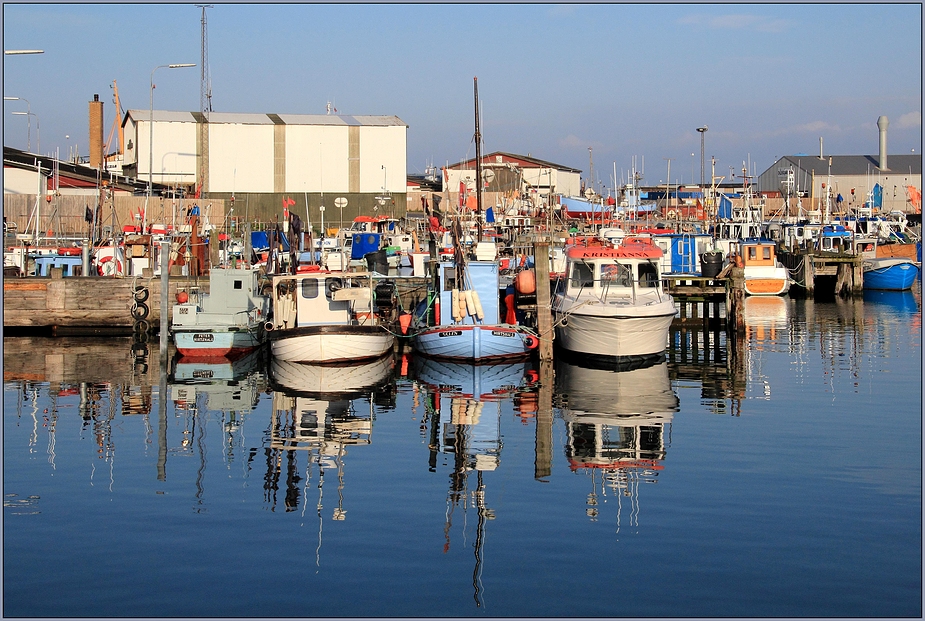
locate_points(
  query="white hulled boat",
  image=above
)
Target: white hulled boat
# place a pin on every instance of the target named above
(611, 304)
(327, 317)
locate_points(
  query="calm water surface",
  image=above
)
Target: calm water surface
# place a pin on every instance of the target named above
(781, 477)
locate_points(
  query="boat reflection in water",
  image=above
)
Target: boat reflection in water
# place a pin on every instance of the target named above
(464, 405)
(764, 316)
(900, 302)
(231, 388)
(319, 411)
(618, 424)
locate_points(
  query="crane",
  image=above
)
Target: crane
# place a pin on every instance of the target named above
(113, 156)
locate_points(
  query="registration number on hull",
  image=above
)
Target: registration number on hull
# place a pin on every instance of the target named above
(203, 338)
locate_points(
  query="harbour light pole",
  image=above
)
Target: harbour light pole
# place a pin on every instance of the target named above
(38, 134)
(703, 131)
(18, 52)
(151, 133)
(29, 122)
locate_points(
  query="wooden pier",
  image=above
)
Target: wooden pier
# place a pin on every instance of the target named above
(833, 274)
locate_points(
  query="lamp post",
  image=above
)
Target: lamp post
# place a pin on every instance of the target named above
(38, 130)
(151, 127)
(29, 128)
(17, 52)
(703, 131)
(692, 169)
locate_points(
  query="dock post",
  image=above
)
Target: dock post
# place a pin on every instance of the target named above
(165, 304)
(735, 300)
(542, 465)
(543, 308)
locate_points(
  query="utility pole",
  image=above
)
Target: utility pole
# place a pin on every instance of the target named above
(205, 102)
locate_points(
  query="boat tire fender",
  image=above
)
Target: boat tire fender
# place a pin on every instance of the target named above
(140, 310)
(333, 284)
(141, 293)
(531, 341)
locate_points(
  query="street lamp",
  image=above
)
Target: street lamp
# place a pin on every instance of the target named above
(151, 126)
(29, 128)
(12, 52)
(702, 130)
(38, 130)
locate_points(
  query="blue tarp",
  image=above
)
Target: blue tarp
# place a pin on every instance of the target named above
(725, 207)
(260, 240)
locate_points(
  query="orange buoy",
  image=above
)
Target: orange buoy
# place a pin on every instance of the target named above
(404, 320)
(182, 297)
(525, 282)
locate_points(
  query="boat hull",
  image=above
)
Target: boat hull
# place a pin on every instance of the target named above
(766, 286)
(231, 342)
(889, 274)
(610, 336)
(475, 342)
(330, 343)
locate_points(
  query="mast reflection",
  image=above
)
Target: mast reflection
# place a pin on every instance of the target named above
(464, 407)
(319, 411)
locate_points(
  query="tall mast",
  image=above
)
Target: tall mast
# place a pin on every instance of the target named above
(478, 162)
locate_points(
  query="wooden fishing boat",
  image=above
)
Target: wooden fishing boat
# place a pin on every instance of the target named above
(331, 317)
(764, 274)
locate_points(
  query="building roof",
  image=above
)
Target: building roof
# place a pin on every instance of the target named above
(524, 161)
(235, 118)
(70, 174)
(854, 164)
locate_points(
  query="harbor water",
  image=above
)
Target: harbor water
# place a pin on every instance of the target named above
(780, 475)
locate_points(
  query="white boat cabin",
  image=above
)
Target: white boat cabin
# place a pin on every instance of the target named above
(604, 272)
(323, 298)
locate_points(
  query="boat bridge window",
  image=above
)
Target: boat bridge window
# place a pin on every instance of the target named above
(238, 284)
(309, 288)
(767, 252)
(617, 275)
(582, 275)
(648, 275)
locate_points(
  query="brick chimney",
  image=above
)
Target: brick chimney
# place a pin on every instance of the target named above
(96, 132)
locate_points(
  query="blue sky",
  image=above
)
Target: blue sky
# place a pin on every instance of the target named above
(555, 80)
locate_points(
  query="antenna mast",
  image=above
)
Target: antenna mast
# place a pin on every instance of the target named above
(205, 102)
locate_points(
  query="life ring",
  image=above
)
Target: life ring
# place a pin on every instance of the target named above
(531, 341)
(107, 267)
(140, 311)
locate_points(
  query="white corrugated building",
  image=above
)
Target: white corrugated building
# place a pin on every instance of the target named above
(269, 153)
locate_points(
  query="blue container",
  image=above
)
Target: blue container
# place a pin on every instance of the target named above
(363, 244)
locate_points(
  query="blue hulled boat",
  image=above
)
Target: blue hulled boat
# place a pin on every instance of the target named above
(889, 273)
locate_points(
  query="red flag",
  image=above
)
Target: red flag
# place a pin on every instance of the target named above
(462, 194)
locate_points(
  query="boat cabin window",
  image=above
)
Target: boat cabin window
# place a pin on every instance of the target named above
(767, 253)
(752, 253)
(582, 275)
(239, 284)
(617, 275)
(449, 278)
(648, 275)
(309, 288)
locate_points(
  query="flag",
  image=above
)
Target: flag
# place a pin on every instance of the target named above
(489, 215)
(462, 194)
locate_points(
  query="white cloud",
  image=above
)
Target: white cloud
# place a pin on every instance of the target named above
(909, 120)
(738, 21)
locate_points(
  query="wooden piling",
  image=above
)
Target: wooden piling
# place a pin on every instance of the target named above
(543, 306)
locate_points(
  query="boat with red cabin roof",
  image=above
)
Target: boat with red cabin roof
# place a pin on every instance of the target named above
(611, 304)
